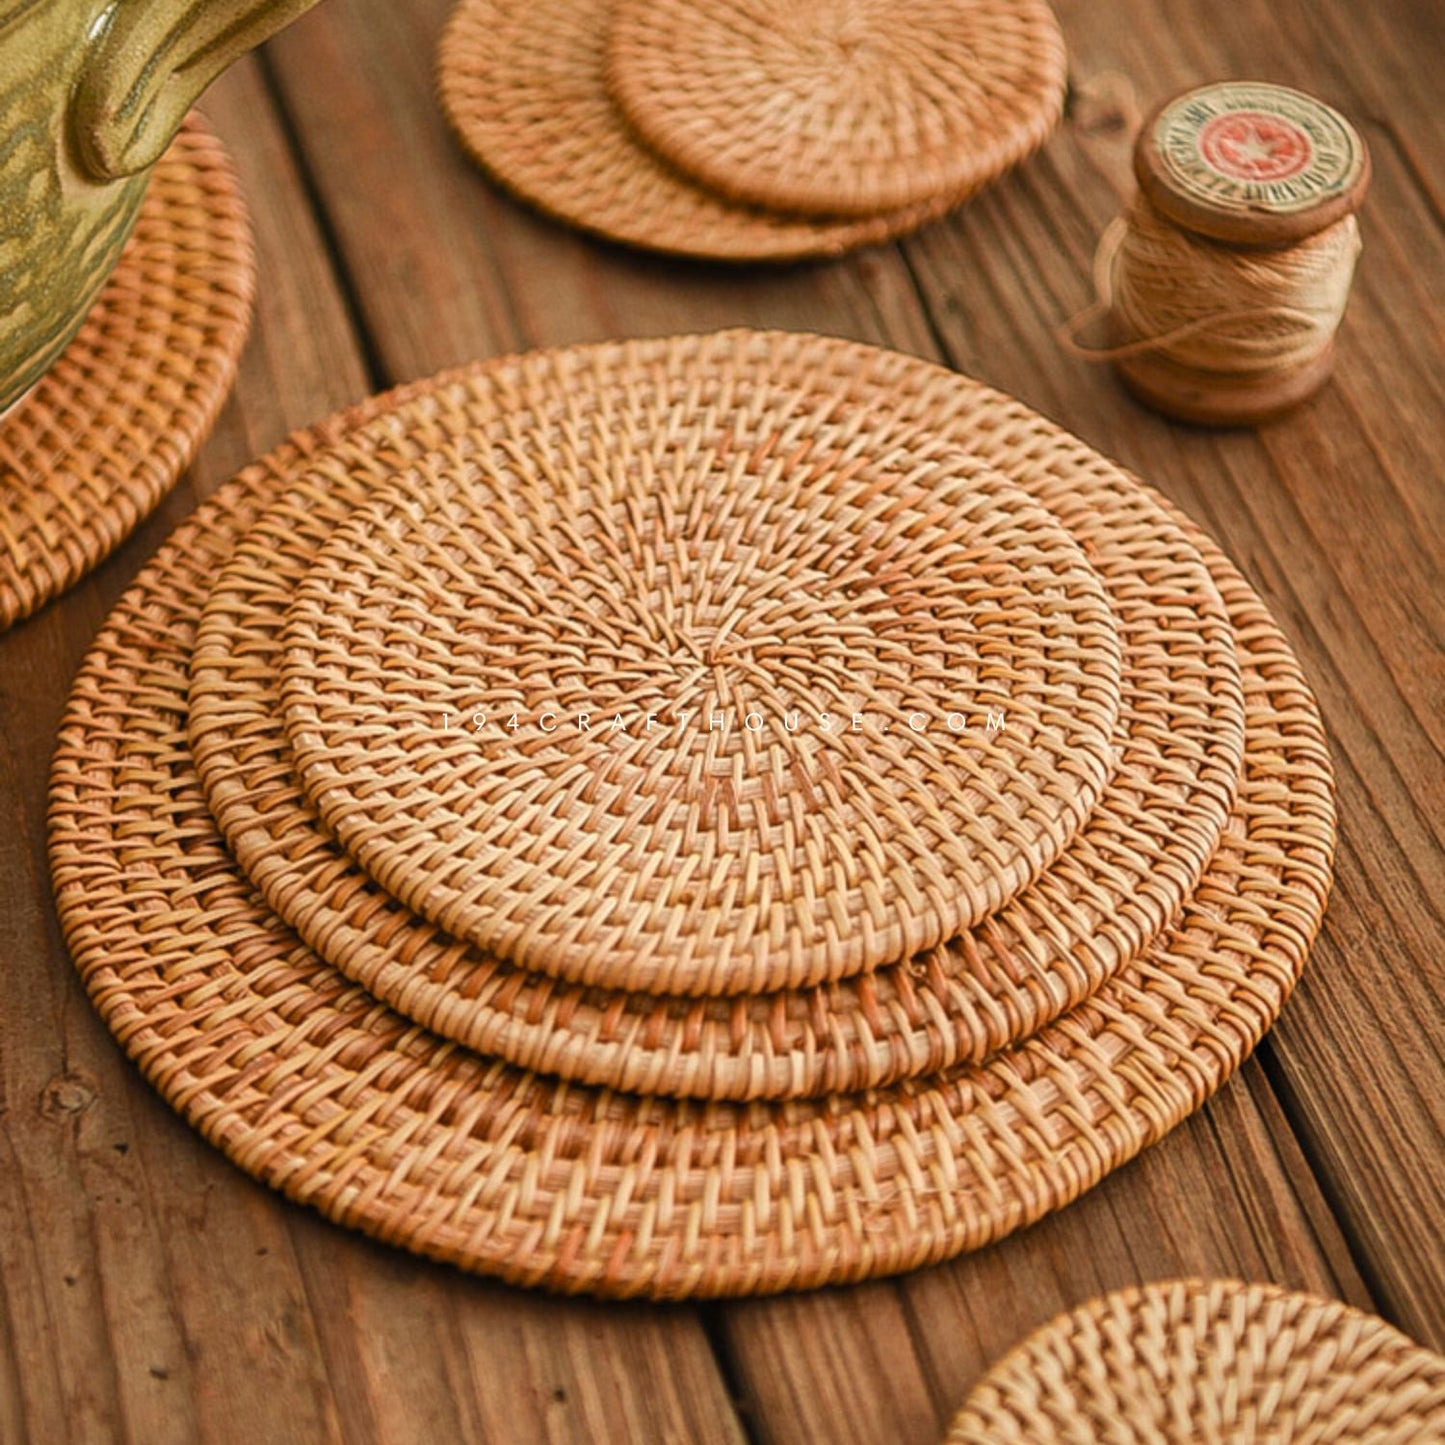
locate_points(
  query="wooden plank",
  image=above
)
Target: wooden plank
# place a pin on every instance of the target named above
(1395, 85)
(418, 1352)
(1358, 1058)
(139, 1298)
(1360, 1062)
(423, 1353)
(1358, 1055)
(150, 1291)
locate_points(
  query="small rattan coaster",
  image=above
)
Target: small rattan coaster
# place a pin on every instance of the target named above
(113, 424)
(1210, 1362)
(669, 677)
(311, 1085)
(1121, 880)
(522, 84)
(839, 107)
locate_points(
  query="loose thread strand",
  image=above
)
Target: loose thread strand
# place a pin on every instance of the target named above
(1209, 306)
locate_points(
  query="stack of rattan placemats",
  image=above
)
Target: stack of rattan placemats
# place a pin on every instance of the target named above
(1210, 1362)
(694, 816)
(107, 432)
(747, 130)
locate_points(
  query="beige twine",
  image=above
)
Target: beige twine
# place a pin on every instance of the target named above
(1213, 307)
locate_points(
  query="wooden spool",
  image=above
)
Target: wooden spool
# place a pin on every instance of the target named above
(1250, 165)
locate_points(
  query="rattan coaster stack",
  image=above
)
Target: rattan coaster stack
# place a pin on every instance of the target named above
(1210, 1362)
(745, 131)
(688, 998)
(107, 432)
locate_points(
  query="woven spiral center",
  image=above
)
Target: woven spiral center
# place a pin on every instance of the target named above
(727, 695)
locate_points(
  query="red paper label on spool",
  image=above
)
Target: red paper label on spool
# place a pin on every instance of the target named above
(1252, 145)
(1251, 161)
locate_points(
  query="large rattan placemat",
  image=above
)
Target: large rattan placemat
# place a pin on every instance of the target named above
(522, 84)
(110, 428)
(311, 1085)
(1117, 885)
(1210, 1362)
(838, 107)
(671, 677)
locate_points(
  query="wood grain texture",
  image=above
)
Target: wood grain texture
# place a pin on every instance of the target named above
(1336, 518)
(150, 1291)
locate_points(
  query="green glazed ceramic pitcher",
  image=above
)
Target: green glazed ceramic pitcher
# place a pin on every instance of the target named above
(91, 92)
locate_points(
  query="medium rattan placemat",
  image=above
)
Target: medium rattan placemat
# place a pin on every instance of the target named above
(838, 107)
(1117, 885)
(668, 676)
(522, 84)
(1210, 1362)
(113, 424)
(314, 1087)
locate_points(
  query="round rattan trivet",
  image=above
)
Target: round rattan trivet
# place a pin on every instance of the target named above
(109, 429)
(672, 678)
(311, 1085)
(838, 107)
(1121, 880)
(523, 87)
(1210, 1362)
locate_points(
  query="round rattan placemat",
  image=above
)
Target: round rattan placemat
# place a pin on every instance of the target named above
(112, 425)
(1122, 879)
(838, 107)
(522, 84)
(668, 676)
(1210, 1362)
(311, 1085)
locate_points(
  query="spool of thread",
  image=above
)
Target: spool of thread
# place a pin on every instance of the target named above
(1225, 282)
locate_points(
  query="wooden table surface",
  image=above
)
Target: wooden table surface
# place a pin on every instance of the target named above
(150, 1291)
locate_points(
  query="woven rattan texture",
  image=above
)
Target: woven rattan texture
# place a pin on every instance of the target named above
(1118, 884)
(1210, 1362)
(677, 548)
(110, 428)
(838, 107)
(522, 84)
(312, 1086)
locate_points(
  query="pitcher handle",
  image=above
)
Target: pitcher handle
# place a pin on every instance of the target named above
(149, 61)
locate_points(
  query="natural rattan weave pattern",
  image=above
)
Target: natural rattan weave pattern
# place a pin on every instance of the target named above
(1210, 1362)
(109, 429)
(522, 84)
(1116, 886)
(667, 676)
(839, 107)
(311, 1085)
